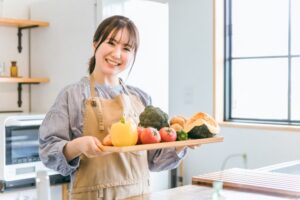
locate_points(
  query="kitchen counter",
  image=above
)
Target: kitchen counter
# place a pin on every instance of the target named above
(277, 180)
(196, 192)
(200, 190)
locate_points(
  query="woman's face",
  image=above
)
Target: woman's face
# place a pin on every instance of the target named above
(114, 54)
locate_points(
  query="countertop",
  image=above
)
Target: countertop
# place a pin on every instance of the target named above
(196, 192)
(281, 179)
(265, 177)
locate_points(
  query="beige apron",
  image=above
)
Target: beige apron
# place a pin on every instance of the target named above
(116, 175)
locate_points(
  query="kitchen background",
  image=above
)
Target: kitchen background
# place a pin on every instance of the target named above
(174, 65)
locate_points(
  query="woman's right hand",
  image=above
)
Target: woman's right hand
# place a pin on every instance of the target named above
(90, 146)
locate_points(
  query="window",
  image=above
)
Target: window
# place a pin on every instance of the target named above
(262, 61)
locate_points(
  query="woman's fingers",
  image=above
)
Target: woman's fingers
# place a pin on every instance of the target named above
(107, 140)
(194, 146)
(101, 149)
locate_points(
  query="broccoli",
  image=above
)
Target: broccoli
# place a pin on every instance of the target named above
(153, 117)
(199, 132)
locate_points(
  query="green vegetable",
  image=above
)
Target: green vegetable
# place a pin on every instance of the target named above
(153, 117)
(181, 135)
(199, 132)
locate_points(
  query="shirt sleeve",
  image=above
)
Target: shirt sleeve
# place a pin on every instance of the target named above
(54, 133)
(164, 159)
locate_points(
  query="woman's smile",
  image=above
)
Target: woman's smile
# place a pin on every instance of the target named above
(113, 62)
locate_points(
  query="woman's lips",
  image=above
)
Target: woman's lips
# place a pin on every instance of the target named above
(113, 62)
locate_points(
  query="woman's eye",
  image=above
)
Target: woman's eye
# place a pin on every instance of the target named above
(127, 49)
(111, 42)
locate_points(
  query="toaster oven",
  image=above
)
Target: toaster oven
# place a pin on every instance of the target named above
(19, 151)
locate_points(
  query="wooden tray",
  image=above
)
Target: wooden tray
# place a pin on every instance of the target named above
(254, 181)
(162, 145)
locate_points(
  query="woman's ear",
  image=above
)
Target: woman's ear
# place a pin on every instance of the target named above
(94, 45)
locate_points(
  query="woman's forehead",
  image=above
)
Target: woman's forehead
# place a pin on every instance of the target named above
(121, 36)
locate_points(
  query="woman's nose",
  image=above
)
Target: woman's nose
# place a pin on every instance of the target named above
(117, 52)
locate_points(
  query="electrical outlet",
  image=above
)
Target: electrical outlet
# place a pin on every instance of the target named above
(188, 95)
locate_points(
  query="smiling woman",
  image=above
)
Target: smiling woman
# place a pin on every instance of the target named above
(71, 143)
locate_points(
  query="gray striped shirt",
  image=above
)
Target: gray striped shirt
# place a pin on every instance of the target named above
(64, 122)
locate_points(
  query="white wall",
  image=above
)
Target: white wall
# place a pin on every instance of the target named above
(9, 52)
(61, 51)
(191, 90)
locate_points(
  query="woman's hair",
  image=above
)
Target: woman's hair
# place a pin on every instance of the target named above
(112, 25)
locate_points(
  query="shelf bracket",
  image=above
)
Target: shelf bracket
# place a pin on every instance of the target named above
(20, 35)
(20, 93)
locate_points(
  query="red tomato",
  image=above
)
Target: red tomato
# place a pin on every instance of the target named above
(139, 130)
(150, 135)
(167, 134)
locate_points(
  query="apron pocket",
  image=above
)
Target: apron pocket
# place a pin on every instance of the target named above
(88, 195)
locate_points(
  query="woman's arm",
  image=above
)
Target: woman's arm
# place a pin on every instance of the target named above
(56, 131)
(165, 159)
(53, 136)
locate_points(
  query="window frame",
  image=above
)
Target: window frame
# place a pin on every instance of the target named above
(228, 71)
(220, 101)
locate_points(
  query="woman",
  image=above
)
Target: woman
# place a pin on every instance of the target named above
(72, 131)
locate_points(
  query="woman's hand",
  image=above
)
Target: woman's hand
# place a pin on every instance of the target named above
(194, 146)
(90, 146)
(179, 149)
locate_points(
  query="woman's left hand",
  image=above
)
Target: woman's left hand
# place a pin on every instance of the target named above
(179, 149)
(194, 146)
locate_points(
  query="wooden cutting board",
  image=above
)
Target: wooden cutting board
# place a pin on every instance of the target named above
(161, 145)
(255, 181)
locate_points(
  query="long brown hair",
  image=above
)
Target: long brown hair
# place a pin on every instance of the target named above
(112, 25)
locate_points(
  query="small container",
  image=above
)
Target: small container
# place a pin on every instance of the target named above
(42, 185)
(13, 69)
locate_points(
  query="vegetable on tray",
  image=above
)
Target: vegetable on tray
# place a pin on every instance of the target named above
(153, 117)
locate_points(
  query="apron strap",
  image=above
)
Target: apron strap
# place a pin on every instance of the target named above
(92, 86)
(129, 99)
(96, 104)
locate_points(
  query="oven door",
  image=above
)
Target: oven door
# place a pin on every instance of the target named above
(22, 144)
(22, 159)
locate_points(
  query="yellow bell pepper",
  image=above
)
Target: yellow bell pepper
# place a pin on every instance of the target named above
(123, 133)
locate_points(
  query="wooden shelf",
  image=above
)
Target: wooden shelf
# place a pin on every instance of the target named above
(23, 80)
(22, 22)
(20, 81)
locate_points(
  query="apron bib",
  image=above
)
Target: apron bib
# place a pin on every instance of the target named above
(116, 175)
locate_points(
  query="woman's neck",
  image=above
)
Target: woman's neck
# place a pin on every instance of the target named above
(107, 80)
